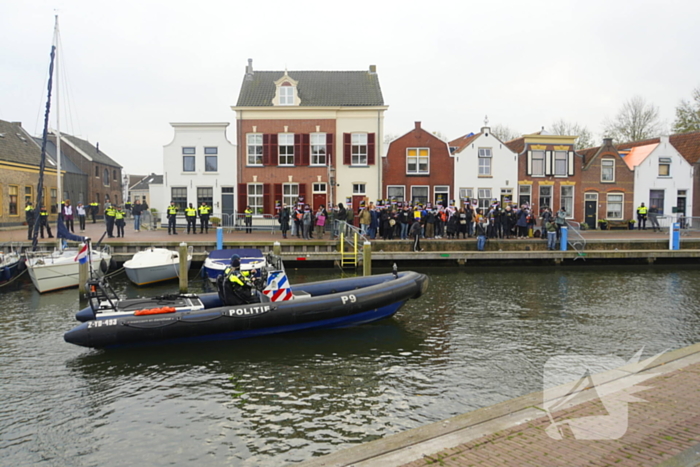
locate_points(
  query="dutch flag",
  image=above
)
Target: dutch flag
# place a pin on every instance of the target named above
(82, 257)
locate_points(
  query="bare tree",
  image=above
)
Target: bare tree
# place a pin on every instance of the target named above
(637, 120)
(584, 136)
(504, 133)
(688, 114)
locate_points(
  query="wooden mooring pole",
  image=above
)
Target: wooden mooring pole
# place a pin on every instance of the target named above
(183, 267)
(367, 259)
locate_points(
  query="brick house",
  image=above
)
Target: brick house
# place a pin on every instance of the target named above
(418, 168)
(314, 135)
(607, 184)
(549, 173)
(20, 157)
(104, 175)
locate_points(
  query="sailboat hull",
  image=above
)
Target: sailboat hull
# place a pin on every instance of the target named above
(59, 270)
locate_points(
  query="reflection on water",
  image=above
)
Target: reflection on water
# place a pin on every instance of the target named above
(478, 337)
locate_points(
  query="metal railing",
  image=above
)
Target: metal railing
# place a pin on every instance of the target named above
(574, 238)
(264, 222)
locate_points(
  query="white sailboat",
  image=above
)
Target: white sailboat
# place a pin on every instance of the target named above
(155, 265)
(59, 269)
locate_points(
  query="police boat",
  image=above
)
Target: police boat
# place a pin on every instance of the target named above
(188, 318)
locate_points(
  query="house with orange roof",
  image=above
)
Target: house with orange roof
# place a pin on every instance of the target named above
(418, 168)
(607, 183)
(688, 145)
(485, 169)
(663, 178)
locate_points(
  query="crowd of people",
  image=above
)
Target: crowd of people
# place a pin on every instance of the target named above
(403, 221)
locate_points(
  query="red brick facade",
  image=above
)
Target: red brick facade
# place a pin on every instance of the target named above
(440, 170)
(598, 187)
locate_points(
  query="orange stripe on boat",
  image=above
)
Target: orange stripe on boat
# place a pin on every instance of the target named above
(155, 311)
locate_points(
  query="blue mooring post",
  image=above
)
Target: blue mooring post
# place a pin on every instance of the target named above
(219, 238)
(675, 240)
(564, 238)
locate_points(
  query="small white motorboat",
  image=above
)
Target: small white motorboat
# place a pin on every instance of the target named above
(59, 269)
(155, 265)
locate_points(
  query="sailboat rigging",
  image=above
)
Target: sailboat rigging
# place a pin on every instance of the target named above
(60, 268)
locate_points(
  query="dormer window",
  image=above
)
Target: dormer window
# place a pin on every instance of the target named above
(286, 94)
(287, 91)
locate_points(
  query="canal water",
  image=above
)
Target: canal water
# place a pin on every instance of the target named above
(480, 336)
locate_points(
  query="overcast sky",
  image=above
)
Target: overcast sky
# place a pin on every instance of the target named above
(132, 67)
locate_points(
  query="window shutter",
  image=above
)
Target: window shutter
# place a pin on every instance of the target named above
(329, 147)
(370, 148)
(305, 149)
(302, 192)
(297, 150)
(570, 165)
(267, 209)
(242, 197)
(529, 163)
(347, 150)
(269, 149)
(548, 162)
(278, 193)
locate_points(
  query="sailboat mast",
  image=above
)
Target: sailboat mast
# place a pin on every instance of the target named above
(59, 184)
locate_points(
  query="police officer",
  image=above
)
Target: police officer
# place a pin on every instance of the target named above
(110, 214)
(642, 217)
(234, 286)
(30, 217)
(94, 206)
(204, 212)
(191, 218)
(119, 221)
(44, 222)
(248, 220)
(172, 218)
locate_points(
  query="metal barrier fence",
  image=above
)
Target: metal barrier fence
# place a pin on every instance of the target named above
(234, 222)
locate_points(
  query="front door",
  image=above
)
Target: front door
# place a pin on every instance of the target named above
(591, 214)
(680, 205)
(356, 199)
(319, 200)
(227, 206)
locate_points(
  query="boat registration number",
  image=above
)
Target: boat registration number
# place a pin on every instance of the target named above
(348, 298)
(101, 322)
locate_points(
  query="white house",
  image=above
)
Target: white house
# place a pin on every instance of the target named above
(199, 165)
(662, 178)
(484, 168)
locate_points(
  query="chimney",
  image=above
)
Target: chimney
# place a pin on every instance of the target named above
(373, 69)
(607, 141)
(97, 147)
(417, 125)
(249, 70)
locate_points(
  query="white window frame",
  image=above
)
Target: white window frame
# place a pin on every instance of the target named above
(427, 193)
(359, 189)
(485, 158)
(538, 152)
(418, 161)
(286, 95)
(539, 196)
(285, 151)
(524, 192)
(318, 149)
(401, 188)
(318, 188)
(465, 193)
(561, 158)
(193, 159)
(290, 194)
(484, 197)
(254, 197)
(607, 165)
(358, 149)
(608, 203)
(563, 200)
(254, 143)
(665, 162)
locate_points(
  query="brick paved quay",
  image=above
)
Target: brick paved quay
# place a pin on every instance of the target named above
(663, 431)
(617, 245)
